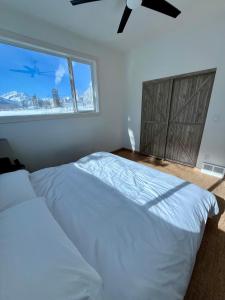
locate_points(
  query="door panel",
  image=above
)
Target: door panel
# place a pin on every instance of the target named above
(190, 98)
(154, 139)
(181, 143)
(155, 115)
(189, 106)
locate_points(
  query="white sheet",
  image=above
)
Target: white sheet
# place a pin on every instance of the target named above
(138, 227)
(38, 261)
(15, 188)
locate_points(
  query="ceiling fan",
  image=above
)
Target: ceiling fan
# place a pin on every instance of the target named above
(161, 6)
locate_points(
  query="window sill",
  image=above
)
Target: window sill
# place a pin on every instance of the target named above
(22, 119)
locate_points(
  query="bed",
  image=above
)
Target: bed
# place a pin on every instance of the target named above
(139, 228)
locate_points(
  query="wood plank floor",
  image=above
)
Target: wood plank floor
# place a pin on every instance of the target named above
(208, 278)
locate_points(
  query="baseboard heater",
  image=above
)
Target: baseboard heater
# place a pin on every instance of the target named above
(213, 170)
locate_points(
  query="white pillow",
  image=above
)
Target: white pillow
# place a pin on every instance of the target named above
(38, 261)
(15, 187)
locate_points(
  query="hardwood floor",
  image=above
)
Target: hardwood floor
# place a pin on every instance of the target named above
(208, 278)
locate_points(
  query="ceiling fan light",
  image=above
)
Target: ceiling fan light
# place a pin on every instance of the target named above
(133, 4)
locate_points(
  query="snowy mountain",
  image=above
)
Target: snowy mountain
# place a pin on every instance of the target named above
(88, 95)
(22, 100)
(15, 100)
(86, 99)
(15, 96)
(6, 104)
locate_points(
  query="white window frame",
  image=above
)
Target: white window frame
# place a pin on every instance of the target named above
(39, 46)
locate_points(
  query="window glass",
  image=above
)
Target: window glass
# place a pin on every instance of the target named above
(39, 83)
(84, 86)
(33, 83)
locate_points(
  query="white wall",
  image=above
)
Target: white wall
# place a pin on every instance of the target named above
(188, 49)
(44, 143)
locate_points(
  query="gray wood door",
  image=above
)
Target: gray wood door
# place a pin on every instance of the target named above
(155, 116)
(174, 111)
(189, 106)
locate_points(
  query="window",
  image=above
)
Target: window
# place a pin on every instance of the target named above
(84, 88)
(38, 83)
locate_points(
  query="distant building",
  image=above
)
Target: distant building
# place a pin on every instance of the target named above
(35, 101)
(56, 99)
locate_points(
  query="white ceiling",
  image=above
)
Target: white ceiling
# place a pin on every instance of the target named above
(99, 21)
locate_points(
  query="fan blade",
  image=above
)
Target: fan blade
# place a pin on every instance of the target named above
(162, 6)
(77, 2)
(125, 17)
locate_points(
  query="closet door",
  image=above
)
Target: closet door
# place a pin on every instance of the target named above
(155, 116)
(189, 106)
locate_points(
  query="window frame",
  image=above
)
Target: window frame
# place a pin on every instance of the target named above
(70, 56)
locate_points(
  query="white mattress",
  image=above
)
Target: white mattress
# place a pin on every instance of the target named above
(139, 228)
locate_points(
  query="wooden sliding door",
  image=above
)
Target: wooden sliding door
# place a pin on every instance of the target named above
(155, 116)
(174, 111)
(189, 106)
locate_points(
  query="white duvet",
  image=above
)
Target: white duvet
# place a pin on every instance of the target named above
(139, 228)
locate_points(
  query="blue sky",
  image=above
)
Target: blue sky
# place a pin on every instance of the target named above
(56, 76)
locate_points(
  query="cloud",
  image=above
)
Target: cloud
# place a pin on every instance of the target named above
(59, 73)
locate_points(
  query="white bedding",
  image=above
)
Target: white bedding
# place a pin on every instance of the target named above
(139, 228)
(15, 188)
(38, 261)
